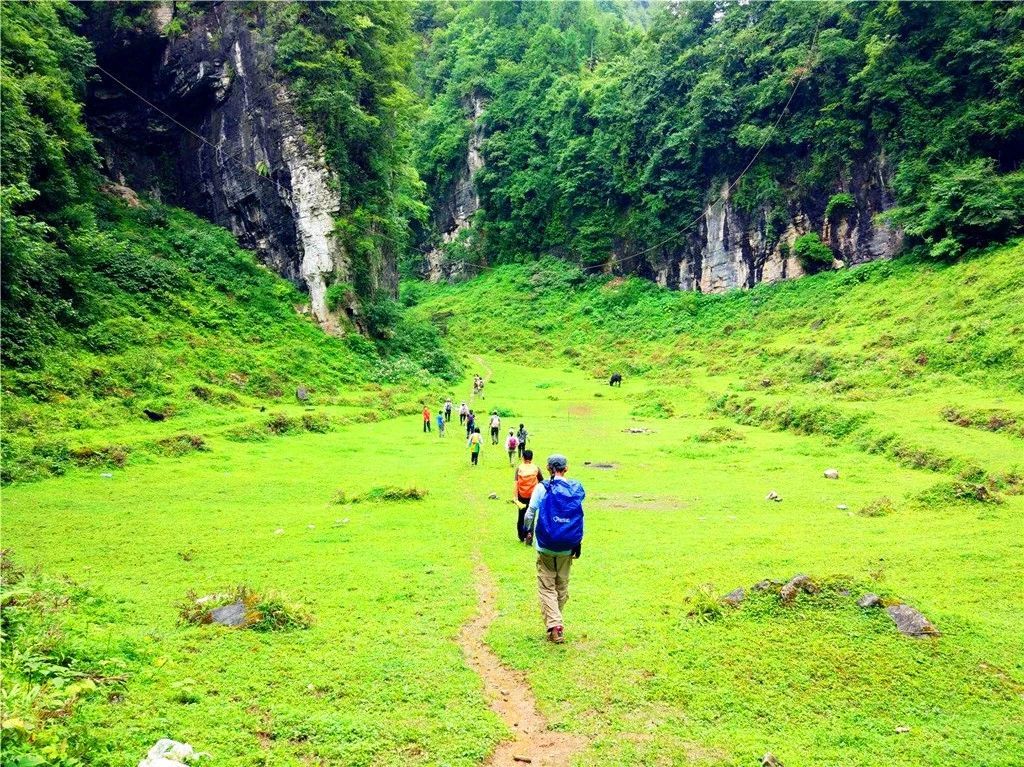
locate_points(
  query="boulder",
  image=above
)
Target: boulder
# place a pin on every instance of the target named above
(831, 473)
(869, 600)
(735, 597)
(766, 585)
(911, 622)
(232, 615)
(795, 585)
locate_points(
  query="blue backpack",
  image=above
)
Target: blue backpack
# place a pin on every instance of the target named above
(560, 518)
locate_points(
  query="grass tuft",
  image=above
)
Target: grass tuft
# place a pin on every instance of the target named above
(385, 494)
(263, 612)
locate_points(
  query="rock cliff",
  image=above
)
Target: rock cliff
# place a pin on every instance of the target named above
(733, 248)
(729, 247)
(236, 150)
(453, 212)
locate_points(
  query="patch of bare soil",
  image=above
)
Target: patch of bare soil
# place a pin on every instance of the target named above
(509, 695)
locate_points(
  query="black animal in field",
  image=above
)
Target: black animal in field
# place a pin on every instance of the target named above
(616, 379)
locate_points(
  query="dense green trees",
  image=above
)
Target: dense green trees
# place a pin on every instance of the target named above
(349, 64)
(599, 132)
(85, 275)
(47, 170)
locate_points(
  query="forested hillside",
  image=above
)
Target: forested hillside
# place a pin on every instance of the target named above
(113, 305)
(236, 520)
(602, 142)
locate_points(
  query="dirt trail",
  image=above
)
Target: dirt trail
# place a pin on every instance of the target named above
(509, 695)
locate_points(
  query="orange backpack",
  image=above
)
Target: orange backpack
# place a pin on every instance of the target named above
(526, 479)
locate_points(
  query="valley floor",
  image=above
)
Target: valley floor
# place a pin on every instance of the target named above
(381, 677)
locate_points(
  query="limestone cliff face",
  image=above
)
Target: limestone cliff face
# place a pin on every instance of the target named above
(729, 247)
(732, 248)
(241, 156)
(453, 213)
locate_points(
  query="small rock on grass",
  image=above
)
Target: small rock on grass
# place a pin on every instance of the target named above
(911, 622)
(279, 531)
(766, 585)
(869, 600)
(229, 615)
(770, 760)
(797, 584)
(735, 597)
(493, 496)
(902, 729)
(773, 496)
(831, 473)
(842, 507)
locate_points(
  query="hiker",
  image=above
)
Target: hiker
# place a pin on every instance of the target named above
(463, 414)
(476, 384)
(480, 388)
(473, 443)
(448, 409)
(511, 443)
(495, 427)
(440, 424)
(554, 524)
(426, 419)
(521, 435)
(525, 479)
(470, 423)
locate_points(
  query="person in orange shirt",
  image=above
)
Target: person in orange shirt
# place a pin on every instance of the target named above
(526, 478)
(426, 419)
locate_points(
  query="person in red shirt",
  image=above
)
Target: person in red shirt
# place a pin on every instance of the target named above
(426, 418)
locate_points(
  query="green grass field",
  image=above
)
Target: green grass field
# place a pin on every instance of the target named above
(380, 679)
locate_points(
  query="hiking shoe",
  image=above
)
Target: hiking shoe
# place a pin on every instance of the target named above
(556, 635)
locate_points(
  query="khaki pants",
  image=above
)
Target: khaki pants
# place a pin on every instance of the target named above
(553, 586)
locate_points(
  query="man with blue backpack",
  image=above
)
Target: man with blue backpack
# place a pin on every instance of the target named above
(554, 520)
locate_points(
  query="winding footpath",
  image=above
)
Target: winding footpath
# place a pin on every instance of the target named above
(509, 695)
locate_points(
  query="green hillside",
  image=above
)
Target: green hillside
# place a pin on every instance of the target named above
(224, 526)
(909, 389)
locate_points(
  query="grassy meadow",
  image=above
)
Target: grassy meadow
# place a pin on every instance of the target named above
(737, 395)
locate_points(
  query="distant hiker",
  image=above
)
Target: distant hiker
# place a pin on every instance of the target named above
(473, 443)
(463, 414)
(616, 379)
(448, 409)
(470, 423)
(476, 384)
(495, 427)
(440, 424)
(524, 481)
(521, 435)
(554, 523)
(511, 443)
(426, 419)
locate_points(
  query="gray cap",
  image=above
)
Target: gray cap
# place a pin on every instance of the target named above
(558, 462)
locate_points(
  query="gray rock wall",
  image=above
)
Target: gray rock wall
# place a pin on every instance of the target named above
(453, 213)
(729, 247)
(253, 170)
